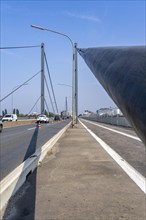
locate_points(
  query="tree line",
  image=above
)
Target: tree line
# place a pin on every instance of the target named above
(16, 111)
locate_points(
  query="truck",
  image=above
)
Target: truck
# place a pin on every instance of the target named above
(64, 115)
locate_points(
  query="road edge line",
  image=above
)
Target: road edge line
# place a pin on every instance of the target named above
(138, 179)
(113, 130)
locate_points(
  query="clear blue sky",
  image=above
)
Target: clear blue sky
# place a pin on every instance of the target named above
(89, 23)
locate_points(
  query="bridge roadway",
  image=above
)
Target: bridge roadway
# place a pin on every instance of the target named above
(79, 180)
(20, 142)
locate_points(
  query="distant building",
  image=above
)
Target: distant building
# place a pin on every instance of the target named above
(87, 112)
(109, 112)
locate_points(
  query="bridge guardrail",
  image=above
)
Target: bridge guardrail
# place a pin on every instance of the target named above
(113, 120)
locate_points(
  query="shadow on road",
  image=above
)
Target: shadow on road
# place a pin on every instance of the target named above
(17, 208)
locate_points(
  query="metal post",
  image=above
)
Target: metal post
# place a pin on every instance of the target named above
(73, 89)
(12, 102)
(76, 84)
(66, 107)
(42, 79)
(73, 69)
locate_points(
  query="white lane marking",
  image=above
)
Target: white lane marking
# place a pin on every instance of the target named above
(110, 129)
(131, 172)
(31, 128)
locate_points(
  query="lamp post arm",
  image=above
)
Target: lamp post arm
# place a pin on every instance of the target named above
(55, 32)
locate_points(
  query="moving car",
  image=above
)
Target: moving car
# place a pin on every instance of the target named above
(57, 118)
(10, 117)
(1, 126)
(42, 119)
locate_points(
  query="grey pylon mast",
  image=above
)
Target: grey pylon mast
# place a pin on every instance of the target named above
(42, 80)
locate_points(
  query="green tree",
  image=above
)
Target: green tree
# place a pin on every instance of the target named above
(51, 114)
(46, 113)
(3, 113)
(6, 112)
(17, 112)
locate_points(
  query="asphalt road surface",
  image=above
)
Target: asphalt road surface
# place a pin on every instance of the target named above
(20, 142)
(125, 143)
(79, 180)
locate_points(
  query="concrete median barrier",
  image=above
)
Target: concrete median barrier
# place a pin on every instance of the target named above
(12, 182)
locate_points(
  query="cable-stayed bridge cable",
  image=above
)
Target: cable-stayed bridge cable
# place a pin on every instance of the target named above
(51, 82)
(20, 47)
(121, 70)
(19, 86)
(34, 105)
(49, 95)
(47, 106)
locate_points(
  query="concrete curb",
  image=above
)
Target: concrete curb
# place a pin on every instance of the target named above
(12, 182)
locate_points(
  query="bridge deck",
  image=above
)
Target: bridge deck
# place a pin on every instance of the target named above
(78, 180)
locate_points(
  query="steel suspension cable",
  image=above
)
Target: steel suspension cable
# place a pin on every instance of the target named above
(34, 105)
(19, 86)
(47, 105)
(49, 94)
(21, 47)
(51, 83)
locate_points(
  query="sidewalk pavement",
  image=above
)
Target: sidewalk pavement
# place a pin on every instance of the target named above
(78, 180)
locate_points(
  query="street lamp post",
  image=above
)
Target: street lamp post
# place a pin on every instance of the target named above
(74, 72)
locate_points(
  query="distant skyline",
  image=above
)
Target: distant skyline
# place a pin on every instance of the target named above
(88, 23)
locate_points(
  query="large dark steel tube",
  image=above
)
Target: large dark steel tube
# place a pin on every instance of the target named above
(122, 73)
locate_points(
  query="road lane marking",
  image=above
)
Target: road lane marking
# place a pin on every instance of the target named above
(31, 128)
(14, 180)
(131, 172)
(110, 129)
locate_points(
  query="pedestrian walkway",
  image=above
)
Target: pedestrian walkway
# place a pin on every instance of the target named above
(78, 180)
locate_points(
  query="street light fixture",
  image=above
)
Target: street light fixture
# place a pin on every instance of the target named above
(55, 32)
(74, 73)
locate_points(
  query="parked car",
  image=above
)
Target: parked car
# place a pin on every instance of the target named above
(42, 119)
(10, 117)
(1, 126)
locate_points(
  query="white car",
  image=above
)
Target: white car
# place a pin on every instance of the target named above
(10, 117)
(42, 118)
